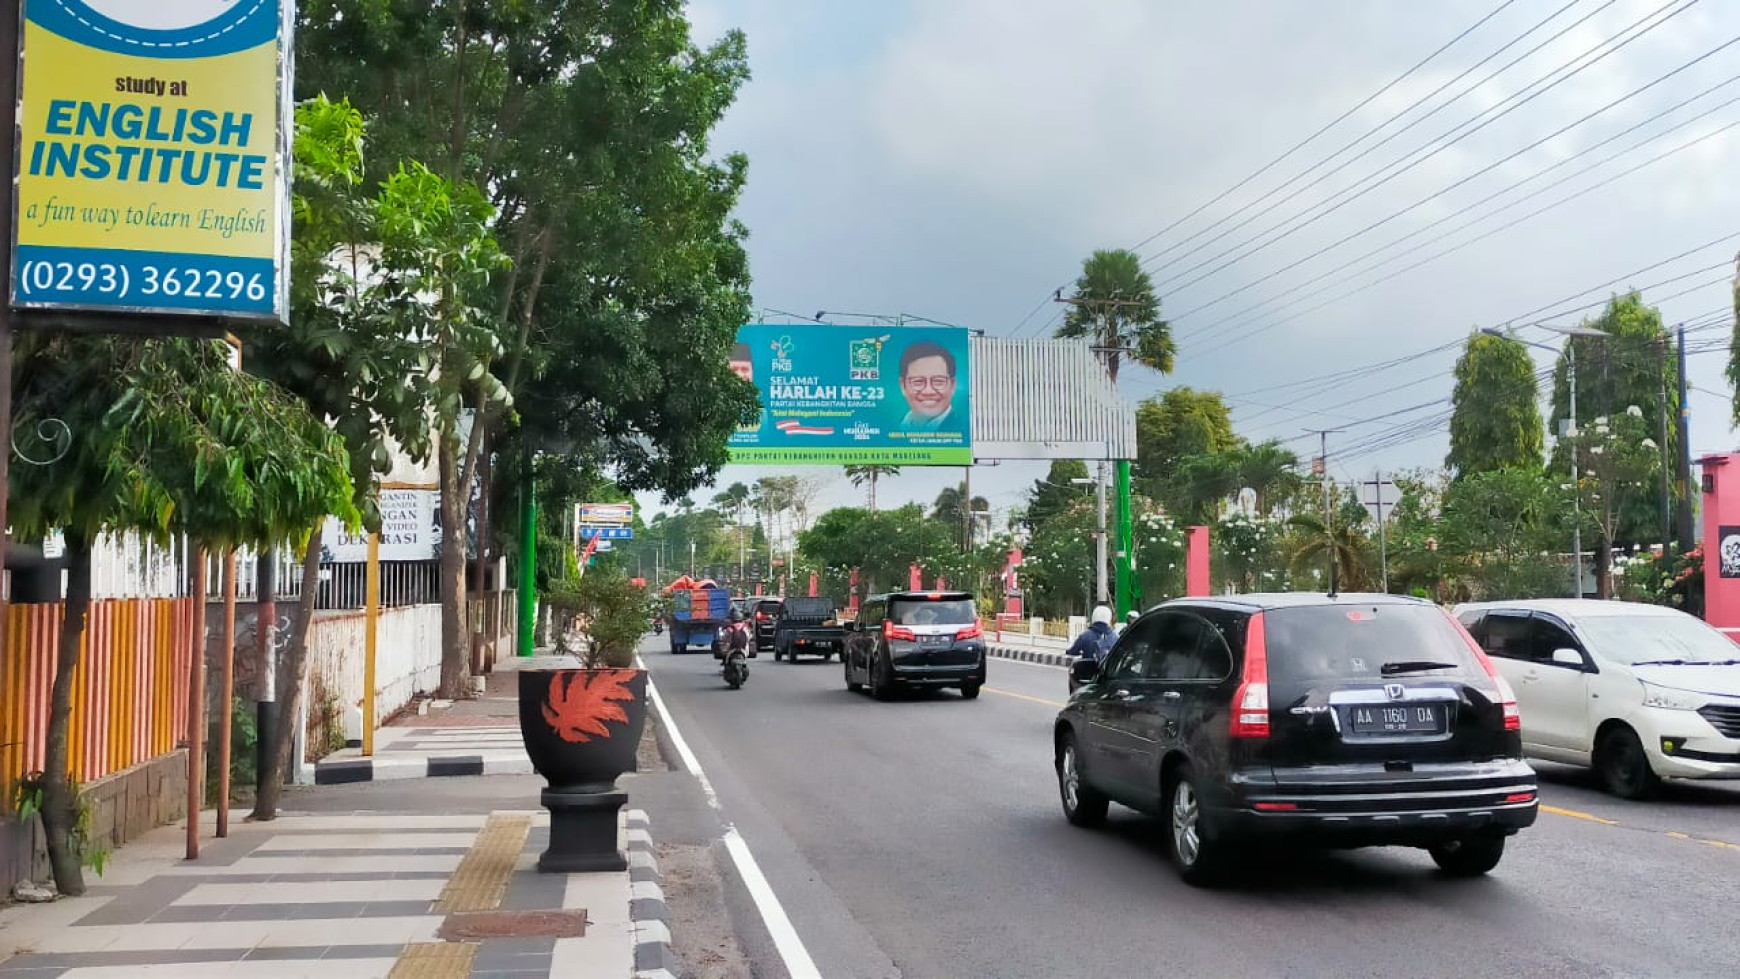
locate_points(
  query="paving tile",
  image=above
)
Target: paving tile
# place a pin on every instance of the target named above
(385, 839)
(435, 960)
(296, 892)
(357, 867)
(481, 879)
(378, 968)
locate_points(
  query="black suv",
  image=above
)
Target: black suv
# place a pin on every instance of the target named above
(763, 616)
(1341, 721)
(912, 639)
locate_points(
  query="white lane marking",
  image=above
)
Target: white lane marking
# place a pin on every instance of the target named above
(1021, 662)
(785, 937)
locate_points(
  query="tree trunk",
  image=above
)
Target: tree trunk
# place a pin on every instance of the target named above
(455, 663)
(59, 799)
(291, 670)
(1604, 567)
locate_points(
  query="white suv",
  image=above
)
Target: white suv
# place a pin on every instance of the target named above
(1638, 692)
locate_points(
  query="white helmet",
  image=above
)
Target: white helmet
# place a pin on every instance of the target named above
(1102, 614)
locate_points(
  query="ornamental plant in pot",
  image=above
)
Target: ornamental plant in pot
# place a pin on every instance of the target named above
(581, 725)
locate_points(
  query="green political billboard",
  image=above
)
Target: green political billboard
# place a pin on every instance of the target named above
(855, 395)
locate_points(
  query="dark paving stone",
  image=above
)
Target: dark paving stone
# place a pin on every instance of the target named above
(343, 772)
(456, 765)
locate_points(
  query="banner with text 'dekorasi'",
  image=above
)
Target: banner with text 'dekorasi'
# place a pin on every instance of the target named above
(852, 395)
(152, 160)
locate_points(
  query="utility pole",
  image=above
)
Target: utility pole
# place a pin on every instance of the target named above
(1576, 488)
(967, 511)
(1684, 517)
(1666, 494)
(1328, 498)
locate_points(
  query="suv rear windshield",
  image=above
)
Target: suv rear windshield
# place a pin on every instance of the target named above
(950, 612)
(809, 608)
(1355, 642)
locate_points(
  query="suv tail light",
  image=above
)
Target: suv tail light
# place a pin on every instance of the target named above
(1506, 696)
(973, 631)
(1250, 717)
(892, 631)
(761, 616)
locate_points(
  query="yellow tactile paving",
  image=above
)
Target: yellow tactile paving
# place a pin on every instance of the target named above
(482, 877)
(434, 960)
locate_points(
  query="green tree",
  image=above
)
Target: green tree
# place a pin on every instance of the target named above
(1054, 494)
(1176, 425)
(868, 475)
(956, 512)
(1620, 464)
(1628, 367)
(1496, 529)
(881, 545)
(1271, 471)
(1310, 552)
(1496, 421)
(1114, 308)
(167, 439)
(588, 127)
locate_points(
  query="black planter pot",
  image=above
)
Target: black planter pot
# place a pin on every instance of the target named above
(581, 729)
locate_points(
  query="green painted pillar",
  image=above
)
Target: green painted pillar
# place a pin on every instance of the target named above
(1128, 592)
(528, 584)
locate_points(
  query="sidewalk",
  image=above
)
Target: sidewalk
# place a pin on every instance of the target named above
(466, 737)
(433, 878)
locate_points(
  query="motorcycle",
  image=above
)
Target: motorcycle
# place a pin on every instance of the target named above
(658, 627)
(736, 659)
(736, 668)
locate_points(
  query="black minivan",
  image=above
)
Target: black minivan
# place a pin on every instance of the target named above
(1339, 721)
(913, 639)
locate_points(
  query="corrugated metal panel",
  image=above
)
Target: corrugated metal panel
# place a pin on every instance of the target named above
(1046, 399)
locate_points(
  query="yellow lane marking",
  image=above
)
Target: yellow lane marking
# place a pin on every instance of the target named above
(1574, 814)
(1022, 696)
(434, 960)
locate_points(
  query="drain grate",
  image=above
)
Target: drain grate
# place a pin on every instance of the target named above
(477, 925)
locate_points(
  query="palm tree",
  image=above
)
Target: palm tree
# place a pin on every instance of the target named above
(1115, 309)
(859, 475)
(1352, 551)
(736, 499)
(953, 509)
(1270, 470)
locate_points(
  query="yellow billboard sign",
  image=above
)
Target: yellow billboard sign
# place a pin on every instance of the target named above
(152, 168)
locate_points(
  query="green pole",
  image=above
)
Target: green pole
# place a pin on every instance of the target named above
(1128, 591)
(528, 597)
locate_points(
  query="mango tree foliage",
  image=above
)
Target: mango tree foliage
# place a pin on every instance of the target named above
(1496, 420)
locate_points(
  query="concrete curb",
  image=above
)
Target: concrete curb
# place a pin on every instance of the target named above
(648, 914)
(1031, 656)
(346, 770)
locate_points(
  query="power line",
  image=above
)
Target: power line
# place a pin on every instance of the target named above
(1397, 256)
(1371, 149)
(1310, 139)
(1223, 195)
(1454, 185)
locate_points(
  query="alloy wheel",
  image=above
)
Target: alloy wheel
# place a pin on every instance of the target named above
(1186, 816)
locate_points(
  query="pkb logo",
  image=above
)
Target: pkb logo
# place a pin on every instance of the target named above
(866, 358)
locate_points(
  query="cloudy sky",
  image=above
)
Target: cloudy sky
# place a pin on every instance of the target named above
(956, 159)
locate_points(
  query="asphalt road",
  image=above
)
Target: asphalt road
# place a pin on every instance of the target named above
(923, 838)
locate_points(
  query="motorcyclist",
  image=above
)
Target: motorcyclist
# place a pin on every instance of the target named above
(736, 643)
(1129, 620)
(1097, 638)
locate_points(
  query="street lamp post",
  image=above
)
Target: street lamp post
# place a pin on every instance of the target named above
(1570, 332)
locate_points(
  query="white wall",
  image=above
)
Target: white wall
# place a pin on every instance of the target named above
(407, 657)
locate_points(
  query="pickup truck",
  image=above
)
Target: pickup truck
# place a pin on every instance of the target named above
(808, 626)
